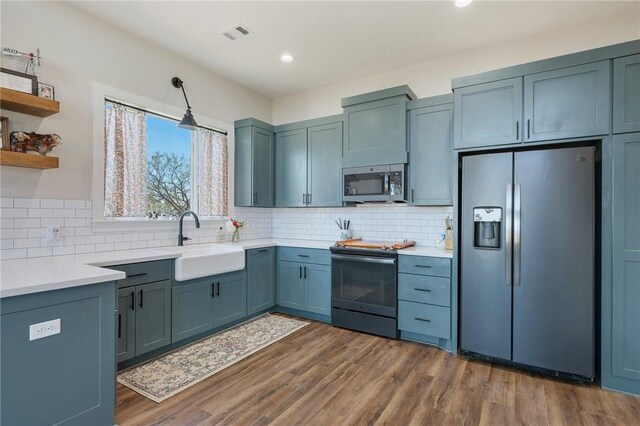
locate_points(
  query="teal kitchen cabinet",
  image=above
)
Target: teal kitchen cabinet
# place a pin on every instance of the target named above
(626, 94)
(425, 301)
(192, 308)
(291, 168)
(67, 378)
(254, 164)
(202, 304)
(231, 299)
(376, 127)
(568, 103)
(304, 286)
(431, 151)
(261, 279)
(621, 306)
(309, 163)
(144, 308)
(324, 165)
(488, 114)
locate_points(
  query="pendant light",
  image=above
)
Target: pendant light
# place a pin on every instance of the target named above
(187, 122)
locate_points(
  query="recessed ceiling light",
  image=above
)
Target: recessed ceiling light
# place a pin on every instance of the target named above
(286, 57)
(463, 3)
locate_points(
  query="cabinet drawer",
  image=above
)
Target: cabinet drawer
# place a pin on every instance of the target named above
(435, 266)
(424, 289)
(294, 254)
(145, 272)
(424, 319)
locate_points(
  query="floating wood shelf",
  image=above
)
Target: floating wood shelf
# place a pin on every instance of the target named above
(25, 103)
(32, 161)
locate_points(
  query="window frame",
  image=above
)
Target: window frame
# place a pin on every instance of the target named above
(102, 224)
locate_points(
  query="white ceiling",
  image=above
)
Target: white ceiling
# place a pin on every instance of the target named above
(336, 41)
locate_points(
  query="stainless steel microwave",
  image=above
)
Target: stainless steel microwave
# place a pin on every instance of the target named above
(374, 184)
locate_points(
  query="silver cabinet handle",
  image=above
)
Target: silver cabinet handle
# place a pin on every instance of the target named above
(421, 319)
(517, 130)
(516, 234)
(423, 289)
(413, 195)
(308, 199)
(508, 233)
(255, 198)
(528, 128)
(304, 199)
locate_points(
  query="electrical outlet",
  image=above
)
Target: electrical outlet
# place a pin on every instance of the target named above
(44, 329)
(54, 234)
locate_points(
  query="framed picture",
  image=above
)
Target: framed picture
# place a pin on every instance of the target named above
(46, 91)
(5, 143)
(19, 81)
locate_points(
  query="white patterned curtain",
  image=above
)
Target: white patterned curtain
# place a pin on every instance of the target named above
(212, 173)
(125, 167)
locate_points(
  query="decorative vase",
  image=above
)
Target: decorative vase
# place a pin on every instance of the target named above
(448, 240)
(236, 236)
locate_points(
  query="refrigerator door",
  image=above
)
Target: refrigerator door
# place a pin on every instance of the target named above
(485, 318)
(553, 291)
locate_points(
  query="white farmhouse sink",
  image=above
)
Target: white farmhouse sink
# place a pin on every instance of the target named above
(204, 260)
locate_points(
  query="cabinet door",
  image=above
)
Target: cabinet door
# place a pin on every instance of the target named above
(291, 168)
(153, 316)
(231, 299)
(126, 331)
(260, 279)
(262, 160)
(325, 165)
(430, 155)
(317, 288)
(290, 285)
(376, 133)
(192, 307)
(243, 173)
(568, 103)
(626, 94)
(626, 257)
(488, 114)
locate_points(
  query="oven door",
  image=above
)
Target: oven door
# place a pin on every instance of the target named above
(364, 283)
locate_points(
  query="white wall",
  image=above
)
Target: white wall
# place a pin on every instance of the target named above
(78, 50)
(434, 77)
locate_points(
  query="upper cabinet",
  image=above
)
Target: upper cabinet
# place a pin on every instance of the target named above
(567, 103)
(431, 151)
(254, 158)
(309, 163)
(488, 114)
(375, 127)
(626, 94)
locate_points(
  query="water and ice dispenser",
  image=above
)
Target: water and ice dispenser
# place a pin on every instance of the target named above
(487, 226)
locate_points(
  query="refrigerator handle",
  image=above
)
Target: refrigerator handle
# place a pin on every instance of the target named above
(516, 234)
(508, 233)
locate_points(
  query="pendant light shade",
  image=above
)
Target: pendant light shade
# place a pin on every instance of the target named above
(187, 122)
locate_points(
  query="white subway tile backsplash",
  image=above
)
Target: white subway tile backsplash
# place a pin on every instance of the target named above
(24, 221)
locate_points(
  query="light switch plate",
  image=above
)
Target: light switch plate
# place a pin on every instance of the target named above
(44, 329)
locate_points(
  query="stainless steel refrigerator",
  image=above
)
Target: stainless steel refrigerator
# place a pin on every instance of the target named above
(527, 258)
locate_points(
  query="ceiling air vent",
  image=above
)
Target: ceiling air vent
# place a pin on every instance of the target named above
(237, 32)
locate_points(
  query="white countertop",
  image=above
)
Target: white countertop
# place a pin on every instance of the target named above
(34, 275)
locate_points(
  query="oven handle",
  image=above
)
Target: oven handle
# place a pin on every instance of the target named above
(364, 259)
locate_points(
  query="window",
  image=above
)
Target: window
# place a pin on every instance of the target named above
(154, 169)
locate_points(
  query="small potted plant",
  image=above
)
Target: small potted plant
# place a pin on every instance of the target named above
(235, 226)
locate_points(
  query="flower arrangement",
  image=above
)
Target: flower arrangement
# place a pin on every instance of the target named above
(235, 226)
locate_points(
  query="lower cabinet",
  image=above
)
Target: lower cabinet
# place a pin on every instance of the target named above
(144, 319)
(203, 304)
(261, 279)
(67, 378)
(304, 287)
(424, 300)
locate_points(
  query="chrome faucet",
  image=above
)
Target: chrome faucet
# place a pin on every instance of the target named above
(181, 238)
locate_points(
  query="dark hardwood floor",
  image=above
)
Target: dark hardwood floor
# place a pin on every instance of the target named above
(322, 375)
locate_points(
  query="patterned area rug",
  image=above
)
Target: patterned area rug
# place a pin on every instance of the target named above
(174, 372)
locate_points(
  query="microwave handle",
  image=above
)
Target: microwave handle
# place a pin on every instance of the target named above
(386, 184)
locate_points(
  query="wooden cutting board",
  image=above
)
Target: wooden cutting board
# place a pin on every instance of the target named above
(358, 243)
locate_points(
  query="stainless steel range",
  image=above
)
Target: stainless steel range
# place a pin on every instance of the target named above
(364, 287)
